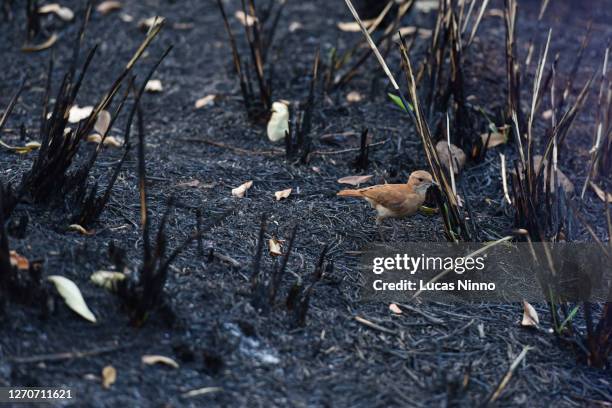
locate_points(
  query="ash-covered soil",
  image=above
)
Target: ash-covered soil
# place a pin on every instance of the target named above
(433, 355)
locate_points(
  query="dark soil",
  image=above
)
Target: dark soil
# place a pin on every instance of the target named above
(218, 338)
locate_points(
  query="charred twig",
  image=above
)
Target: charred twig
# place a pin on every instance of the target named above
(362, 161)
(50, 175)
(298, 142)
(145, 294)
(259, 39)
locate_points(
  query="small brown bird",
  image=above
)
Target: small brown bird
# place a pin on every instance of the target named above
(395, 200)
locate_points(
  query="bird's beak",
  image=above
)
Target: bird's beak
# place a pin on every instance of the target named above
(433, 183)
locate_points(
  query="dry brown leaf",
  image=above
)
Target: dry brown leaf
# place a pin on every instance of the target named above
(62, 12)
(154, 86)
(113, 141)
(355, 180)
(107, 7)
(242, 189)
(77, 114)
(564, 181)
(603, 196)
(109, 376)
(21, 149)
(530, 316)
(109, 141)
(274, 247)
(102, 122)
(152, 359)
(245, 19)
(395, 308)
(205, 101)
(459, 157)
(497, 138)
(353, 97)
(19, 261)
(79, 229)
(282, 194)
(48, 43)
(94, 138)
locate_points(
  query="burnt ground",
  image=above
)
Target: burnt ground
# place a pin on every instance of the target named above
(420, 358)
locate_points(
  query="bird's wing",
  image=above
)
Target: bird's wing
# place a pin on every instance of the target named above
(390, 196)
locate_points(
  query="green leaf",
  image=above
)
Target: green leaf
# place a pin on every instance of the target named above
(398, 101)
(568, 319)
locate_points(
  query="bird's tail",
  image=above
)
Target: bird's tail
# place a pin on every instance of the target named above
(349, 193)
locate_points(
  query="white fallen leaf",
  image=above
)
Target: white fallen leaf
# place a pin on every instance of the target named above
(78, 228)
(108, 6)
(426, 6)
(102, 122)
(152, 359)
(107, 279)
(355, 180)
(547, 114)
(201, 391)
(530, 316)
(148, 23)
(126, 18)
(282, 194)
(205, 101)
(154, 86)
(245, 19)
(353, 26)
(395, 308)
(603, 196)
(353, 97)
(109, 376)
(294, 26)
(241, 190)
(72, 296)
(48, 43)
(274, 247)
(459, 157)
(77, 114)
(278, 124)
(62, 12)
